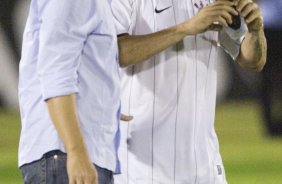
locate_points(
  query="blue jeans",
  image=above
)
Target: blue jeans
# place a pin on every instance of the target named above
(51, 169)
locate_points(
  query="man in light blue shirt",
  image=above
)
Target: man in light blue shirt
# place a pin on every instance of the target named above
(69, 93)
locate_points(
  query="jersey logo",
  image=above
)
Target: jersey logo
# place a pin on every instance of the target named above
(159, 11)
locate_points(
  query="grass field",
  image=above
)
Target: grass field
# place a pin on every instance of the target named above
(249, 155)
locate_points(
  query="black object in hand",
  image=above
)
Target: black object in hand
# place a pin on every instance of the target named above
(236, 22)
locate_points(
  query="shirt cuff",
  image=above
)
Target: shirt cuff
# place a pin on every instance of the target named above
(58, 85)
(52, 93)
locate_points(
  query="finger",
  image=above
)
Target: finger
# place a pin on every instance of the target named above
(92, 181)
(71, 181)
(88, 182)
(242, 4)
(96, 180)
(215, 27)
(221, 21)
(249, 9)
(222, 14)
(222, 5)
(90, 178)
(253, 16)
(224, 8)
(256, 24)
(79, 181)
(125, 118)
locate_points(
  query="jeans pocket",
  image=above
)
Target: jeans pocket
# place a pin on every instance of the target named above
(104, 176)
(35, 172)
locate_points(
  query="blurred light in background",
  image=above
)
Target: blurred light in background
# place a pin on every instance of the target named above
(272, 13)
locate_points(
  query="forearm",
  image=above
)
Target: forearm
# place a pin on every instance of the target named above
(254, 48)
(64, 116)
(253, 51)
(135, 49)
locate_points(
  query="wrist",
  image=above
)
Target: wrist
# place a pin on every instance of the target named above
(256, 33)
(78, 149)
(256, 30)
(186, 29)
(80, 154)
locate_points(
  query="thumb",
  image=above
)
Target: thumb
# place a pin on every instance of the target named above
(125, 117)
(215, 27)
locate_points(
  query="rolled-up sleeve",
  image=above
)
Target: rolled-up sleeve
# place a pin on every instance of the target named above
(65, 26)
(124, 12)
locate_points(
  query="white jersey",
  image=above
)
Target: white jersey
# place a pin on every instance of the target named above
(172, 97)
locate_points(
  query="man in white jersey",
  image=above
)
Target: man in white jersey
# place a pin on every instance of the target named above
(169, 84)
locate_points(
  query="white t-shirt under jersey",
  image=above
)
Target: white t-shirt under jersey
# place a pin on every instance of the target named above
(172, 98)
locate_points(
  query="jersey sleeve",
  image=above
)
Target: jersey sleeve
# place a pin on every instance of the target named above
(64, 28)
(124, 12)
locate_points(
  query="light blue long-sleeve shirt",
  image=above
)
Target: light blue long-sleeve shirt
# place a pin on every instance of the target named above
(69, 47)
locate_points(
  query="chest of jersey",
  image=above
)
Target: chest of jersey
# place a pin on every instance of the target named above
(156, 15)
(191, 61)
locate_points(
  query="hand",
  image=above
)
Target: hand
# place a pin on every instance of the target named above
(80, 169)
(125, 117)
(252, 14)
(220, 11)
